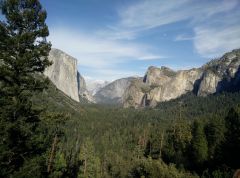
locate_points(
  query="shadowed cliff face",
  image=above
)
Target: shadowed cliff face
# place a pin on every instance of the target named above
(163, 84)
(82, 89)
(221, 74)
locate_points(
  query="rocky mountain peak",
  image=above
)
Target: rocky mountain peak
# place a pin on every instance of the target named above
(63, 72)
(157, 85)
(65, 76)
(113, 92)
(158, 76)
(163, 84)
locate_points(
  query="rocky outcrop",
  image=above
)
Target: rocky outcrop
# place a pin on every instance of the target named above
(171, 84)
(63, 73)
(113, 92)
(134, 94)
(163, 84)
(82, 89)
(209, 83)
(221, 74)
(158, 84)
(65, 76)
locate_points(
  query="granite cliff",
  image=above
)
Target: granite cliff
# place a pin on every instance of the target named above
(158, 84)
(64, 74)
(112, 93)
(82, 89)
(163, 84)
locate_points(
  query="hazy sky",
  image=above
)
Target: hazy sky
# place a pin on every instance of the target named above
(118, 38)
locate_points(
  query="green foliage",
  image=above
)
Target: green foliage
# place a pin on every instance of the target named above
(60, 165)
(148, 168)
(199, 143)
(34, 167)
(117, 142)
(215, 133)
(195, 107)
(178, 141)
(123, 138)
(218, 173)
(91, 163)
(48, 129)
(23, 56)
(231, 146)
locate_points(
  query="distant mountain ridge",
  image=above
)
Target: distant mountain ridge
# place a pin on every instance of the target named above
(157, 85)
(93, 86)
(113, 92)
(163, 84)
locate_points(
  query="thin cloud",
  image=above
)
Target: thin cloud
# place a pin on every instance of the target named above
(155, 13)
(183, 37)
(212, 42)
(152, 57)
(215, 31)
(214, 24)
(95, 52)
(98, 56)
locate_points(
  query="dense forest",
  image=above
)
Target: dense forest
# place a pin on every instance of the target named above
(44, 133)
(187, 137)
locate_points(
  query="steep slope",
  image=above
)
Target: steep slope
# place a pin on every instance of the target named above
(163, 84)
(113, 92)
(82, 89)
(63, 73)
(134, 95)
(65, 76)
(160, 84)
(221, 75)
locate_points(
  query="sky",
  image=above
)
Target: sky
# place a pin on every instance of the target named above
(112, 39)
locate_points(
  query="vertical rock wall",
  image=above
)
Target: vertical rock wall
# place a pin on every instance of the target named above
(63, 73)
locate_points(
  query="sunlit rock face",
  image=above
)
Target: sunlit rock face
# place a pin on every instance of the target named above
(171, 84)
(134, 94)
(158, 84)
(163, 84)
(63, 73)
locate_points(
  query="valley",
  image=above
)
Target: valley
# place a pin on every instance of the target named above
(119, 89)
(126, 139)
(157, 85)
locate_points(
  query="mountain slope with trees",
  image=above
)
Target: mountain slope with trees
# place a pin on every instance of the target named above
(44, 133)
(188, 133)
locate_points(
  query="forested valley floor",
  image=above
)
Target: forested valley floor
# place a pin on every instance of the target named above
(186, 137)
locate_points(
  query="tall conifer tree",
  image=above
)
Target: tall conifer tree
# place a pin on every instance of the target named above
(23, 56)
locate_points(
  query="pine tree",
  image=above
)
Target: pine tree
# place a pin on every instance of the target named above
(215, 130)
(91, 163)
(178, 140)
(23, 57)
(232, 139)
(199, 144)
